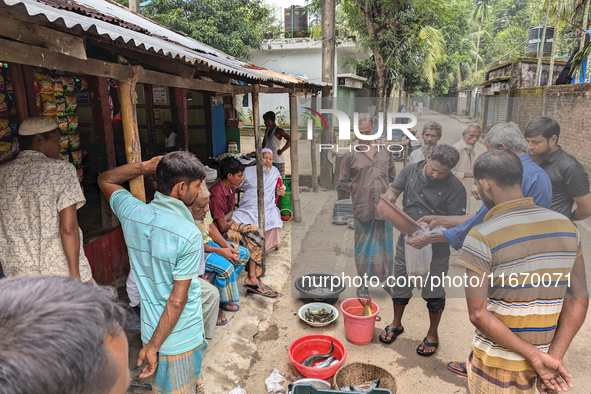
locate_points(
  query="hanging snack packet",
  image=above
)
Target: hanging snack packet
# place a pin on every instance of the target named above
(3, 106)
(74, 141)
(62, 122)
(4, 128)
(65, 156)
(81, 84)
(71, 103)
(76, 158)
(68, 84)
(60, 103)
(5, 150)
(49, 108)
(64, 143)
(57, 84)
(72, 124)
(80, 174)
(44, 83)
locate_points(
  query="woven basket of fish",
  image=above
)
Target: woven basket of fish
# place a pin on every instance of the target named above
(362, 377)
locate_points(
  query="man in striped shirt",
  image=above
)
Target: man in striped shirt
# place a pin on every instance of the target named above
(165, 251)
(537, 299)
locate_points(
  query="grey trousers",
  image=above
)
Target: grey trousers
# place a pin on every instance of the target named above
(210, 300)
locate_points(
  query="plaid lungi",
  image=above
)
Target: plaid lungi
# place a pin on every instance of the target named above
(179, 374)
(226, 272)
(281, 168)
(486, 380)
(251, 237)
(374, 248)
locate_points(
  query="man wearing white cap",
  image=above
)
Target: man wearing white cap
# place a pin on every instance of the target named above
(248, 211)
(39, 196)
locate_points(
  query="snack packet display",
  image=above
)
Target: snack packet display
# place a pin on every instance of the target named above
(65, 156)
(76, 158)
(62, 122)
(57, 84)
(49, 108)
(74, 141)
(81, 84)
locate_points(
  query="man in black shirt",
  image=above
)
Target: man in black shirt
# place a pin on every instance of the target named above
(429, 188)
(570, 183)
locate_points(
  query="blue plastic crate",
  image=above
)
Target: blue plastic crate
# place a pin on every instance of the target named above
(309, 389)
(343, 208)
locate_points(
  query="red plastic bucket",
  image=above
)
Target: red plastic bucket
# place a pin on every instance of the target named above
(359, 329)
(309, 345)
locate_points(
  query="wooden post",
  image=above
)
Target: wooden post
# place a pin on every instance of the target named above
(133, 149)
(18, 88)
(295, 170)
(101, 114)
(150, 120)
(29, 78)
(258, 146)
(313, 148)
(182, 127)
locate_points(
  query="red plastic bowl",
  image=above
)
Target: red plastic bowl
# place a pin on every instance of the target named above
(309, 345)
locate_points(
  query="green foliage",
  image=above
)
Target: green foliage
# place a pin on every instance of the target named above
(232, 26)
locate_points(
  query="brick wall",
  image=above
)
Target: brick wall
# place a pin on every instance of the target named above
(569, 105)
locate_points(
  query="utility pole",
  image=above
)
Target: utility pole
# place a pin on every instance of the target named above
(555, 39)
(541, 51)
(328, 55)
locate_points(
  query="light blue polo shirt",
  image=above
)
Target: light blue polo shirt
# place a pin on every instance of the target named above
(164, 245)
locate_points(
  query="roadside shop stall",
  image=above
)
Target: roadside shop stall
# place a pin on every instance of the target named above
(110, 78)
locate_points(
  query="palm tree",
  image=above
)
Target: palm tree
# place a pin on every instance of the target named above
(479, 16)
(435, 50)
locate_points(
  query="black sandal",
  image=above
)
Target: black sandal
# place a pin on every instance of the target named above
(396, 331)
(427, 344)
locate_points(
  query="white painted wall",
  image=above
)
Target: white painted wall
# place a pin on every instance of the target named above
(297, 57)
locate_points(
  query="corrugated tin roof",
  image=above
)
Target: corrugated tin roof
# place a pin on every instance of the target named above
(107, 18)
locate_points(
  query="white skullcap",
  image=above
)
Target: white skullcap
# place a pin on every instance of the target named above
(266, 150)
(36, 125)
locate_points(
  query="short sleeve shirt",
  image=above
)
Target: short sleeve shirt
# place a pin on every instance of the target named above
(569, 179)
(222, 200)
(33, 191)
(164, 245)
(424, 197)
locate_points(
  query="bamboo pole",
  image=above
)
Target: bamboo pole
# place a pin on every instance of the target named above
(583, 37)
(295, 171)
(258, 145)
(313, 149)
(133, 150)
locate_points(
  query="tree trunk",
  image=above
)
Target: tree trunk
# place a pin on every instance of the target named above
(328, 58)
(554, 45)
(584, 35)
(295, 171)
(478, 45)
(541, 51)
(258, 146)
(313, 149)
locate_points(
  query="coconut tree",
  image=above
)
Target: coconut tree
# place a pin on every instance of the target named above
(480, 15)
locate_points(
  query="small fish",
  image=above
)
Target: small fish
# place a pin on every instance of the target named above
(365, 387)
(346, 388)
(326, 362)
(366, 306)
(317, 357)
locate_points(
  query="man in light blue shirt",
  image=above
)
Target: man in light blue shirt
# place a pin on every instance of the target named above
(165, 251)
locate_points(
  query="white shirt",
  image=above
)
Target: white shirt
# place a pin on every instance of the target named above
(171, 140)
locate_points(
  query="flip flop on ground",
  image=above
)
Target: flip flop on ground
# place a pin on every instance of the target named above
(223, 320)
(458, 368)
(229, 307)
(426, 344)
(395, 331)
(256, 289)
